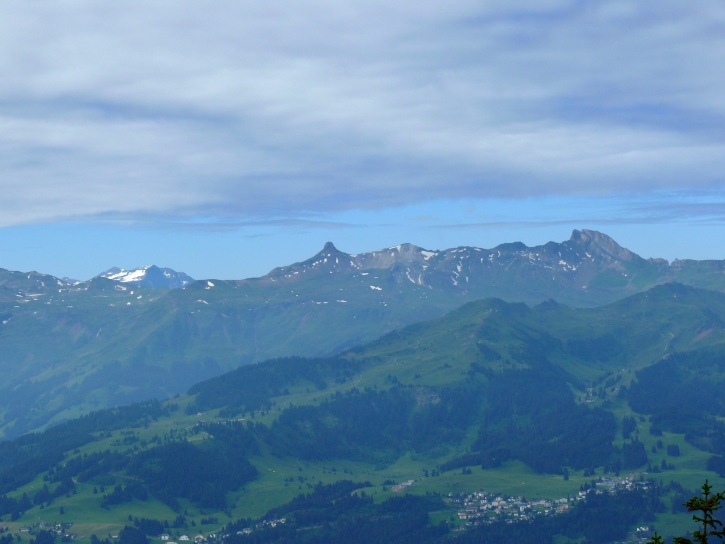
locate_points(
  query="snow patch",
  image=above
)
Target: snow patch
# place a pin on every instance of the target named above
(126, 276)
(428, 254)
(412, 280)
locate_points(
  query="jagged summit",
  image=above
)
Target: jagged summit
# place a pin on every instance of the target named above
(587, 267)
(600, 243)
(330, 259)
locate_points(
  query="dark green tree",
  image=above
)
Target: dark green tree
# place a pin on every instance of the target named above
(131, 535)
(711, 526)
(44, 537)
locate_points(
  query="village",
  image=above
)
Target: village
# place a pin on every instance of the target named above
(472, 509)
(483, 507)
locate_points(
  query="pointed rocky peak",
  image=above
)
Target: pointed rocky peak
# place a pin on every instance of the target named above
(328, 259)
(329, 250)
(597, 243)
(592, 236)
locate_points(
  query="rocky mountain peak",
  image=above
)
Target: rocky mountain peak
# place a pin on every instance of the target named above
(329, 248)
(600, 244)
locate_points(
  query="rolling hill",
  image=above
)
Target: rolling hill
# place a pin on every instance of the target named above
(529, 401)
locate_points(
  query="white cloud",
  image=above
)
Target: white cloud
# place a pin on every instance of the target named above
(251, 109)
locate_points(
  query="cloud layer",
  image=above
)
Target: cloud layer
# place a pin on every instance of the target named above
(237, 110)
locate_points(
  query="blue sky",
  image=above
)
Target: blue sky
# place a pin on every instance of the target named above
(224, 139)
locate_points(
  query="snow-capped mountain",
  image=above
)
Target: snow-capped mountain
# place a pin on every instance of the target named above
(149, 276)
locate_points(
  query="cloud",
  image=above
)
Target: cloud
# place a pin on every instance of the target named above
(245, 110)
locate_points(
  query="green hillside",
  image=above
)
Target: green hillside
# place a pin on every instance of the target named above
(530, 402)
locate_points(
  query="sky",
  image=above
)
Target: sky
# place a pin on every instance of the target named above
(227, 138)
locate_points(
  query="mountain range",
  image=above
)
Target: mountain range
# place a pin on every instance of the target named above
(69, 348)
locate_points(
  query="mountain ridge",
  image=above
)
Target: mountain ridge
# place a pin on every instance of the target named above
(582, 246)
(589, 262)
(84, 346)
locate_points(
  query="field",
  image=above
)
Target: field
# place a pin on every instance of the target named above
(281, 479)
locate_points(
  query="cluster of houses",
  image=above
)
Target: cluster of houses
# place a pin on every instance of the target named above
(633, 481)
(60, 530)
(198, 539)
(269, 523)
(482, 507)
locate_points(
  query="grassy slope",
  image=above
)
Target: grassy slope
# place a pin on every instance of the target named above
(280, 479)
(426, 355)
